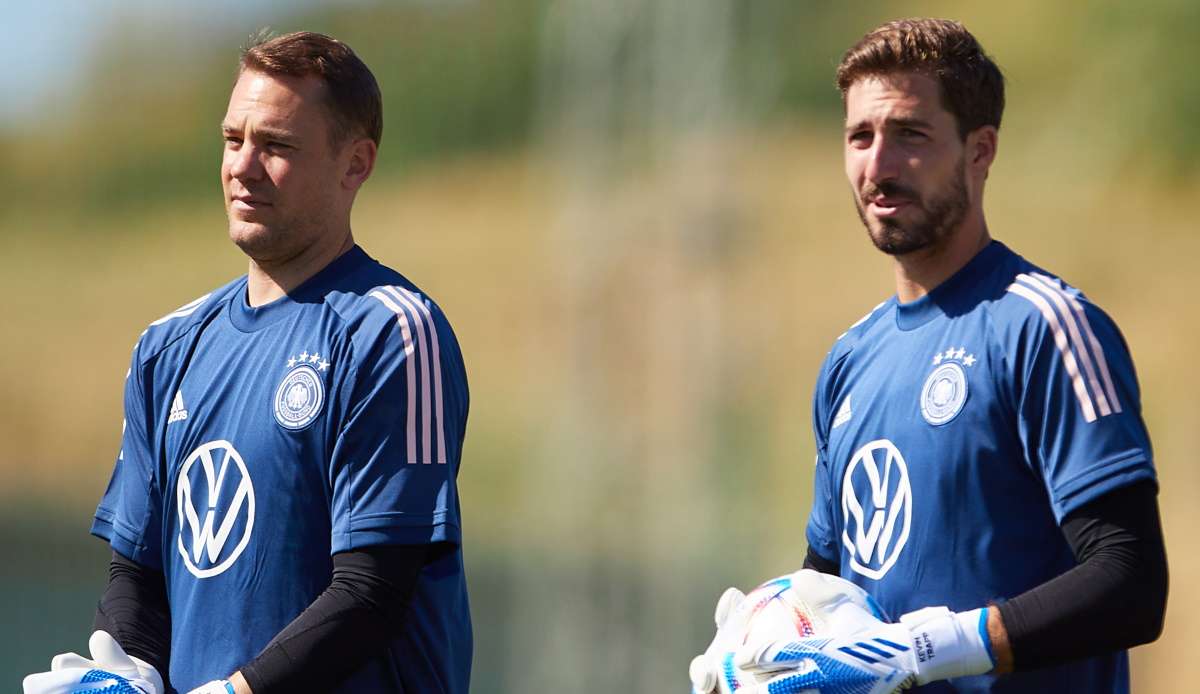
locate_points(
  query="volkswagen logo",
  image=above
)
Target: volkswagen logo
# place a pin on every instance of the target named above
(215, 502)
(876, 508)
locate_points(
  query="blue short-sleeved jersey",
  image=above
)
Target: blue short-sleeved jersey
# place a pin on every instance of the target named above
(259, 441)
(955, 432)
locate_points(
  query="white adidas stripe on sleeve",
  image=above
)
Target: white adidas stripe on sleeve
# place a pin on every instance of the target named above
(411, 406)
(862, 320)
(1047, 290)
(1096, 348)
(428, 374)
(186, 310)
(1060, 341)
(1076, 342)
(434, 365)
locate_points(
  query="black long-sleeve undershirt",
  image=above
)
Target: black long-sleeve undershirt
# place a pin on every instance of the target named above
(816, 562)
(133, 610)
(349, 623)
(1115, 598)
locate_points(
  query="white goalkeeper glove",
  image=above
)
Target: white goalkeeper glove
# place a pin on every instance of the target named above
(782, 610)
(860, 653)
(214, 687)
(109, 670)
(731, 622)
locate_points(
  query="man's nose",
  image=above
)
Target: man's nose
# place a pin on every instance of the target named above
(246, 162)
(883, 160)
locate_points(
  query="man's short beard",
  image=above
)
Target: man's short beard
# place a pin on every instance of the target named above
(943, 214)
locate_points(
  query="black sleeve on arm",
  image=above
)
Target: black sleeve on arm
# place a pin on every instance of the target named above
(1114, 599)
(134, 611)
(816, 562)
(348, 624)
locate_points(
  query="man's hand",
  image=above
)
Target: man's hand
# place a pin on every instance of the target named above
(731, 622)
(880, 660)
(109, 670)
(214, 687)
(861, 653)
(783, 609)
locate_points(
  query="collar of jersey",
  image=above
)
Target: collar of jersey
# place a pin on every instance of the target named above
(250, 319)
(952, 296)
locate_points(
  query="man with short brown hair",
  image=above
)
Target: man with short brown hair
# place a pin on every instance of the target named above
(979, 439)
(284, 512)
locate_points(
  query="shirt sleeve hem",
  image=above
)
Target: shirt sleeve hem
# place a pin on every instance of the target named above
(397, 529)
(1101, 480)
(826, 549)
(105, 527)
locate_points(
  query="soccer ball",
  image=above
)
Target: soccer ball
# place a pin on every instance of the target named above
(782, 608)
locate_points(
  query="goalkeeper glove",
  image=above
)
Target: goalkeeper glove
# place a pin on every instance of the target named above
(109, 670)
(778, 610)
(214, 687)
(860, 653)
(731, 622)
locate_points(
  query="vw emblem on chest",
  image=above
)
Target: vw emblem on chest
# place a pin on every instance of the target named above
(214, 499)
(299, 398)
(876, 508)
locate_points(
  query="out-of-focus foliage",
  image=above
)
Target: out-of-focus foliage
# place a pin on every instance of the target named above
(1115, 78)
(144, 128)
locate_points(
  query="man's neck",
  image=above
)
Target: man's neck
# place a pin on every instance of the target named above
(919, 272)
(268, 281)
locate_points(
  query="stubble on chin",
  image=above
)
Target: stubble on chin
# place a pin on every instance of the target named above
(257, 241)
(893, 237)
(937, 220)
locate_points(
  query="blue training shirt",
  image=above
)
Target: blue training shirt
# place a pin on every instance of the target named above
(260, 441)
(954, 433)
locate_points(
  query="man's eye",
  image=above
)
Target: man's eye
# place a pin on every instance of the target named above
(909, 132)
(230, 139)
(862, 137)
(279, 146)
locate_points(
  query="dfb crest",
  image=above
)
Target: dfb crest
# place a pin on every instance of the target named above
(301, 393)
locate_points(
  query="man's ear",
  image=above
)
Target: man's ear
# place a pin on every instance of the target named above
(361, 162)
(981, 149)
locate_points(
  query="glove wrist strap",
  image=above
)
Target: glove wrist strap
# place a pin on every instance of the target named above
(949, 644)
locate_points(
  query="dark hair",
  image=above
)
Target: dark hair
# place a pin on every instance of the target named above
(971, 84)
(353, 99)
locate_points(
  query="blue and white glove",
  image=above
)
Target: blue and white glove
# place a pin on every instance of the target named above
(859, 653)
(781, 609)
(109, 670)
(704, 670)
(214, 687)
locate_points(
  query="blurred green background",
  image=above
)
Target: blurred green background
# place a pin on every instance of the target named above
(635, 215)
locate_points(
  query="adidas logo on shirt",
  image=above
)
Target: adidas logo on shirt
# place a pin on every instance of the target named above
(178, 411)
(843, 413)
